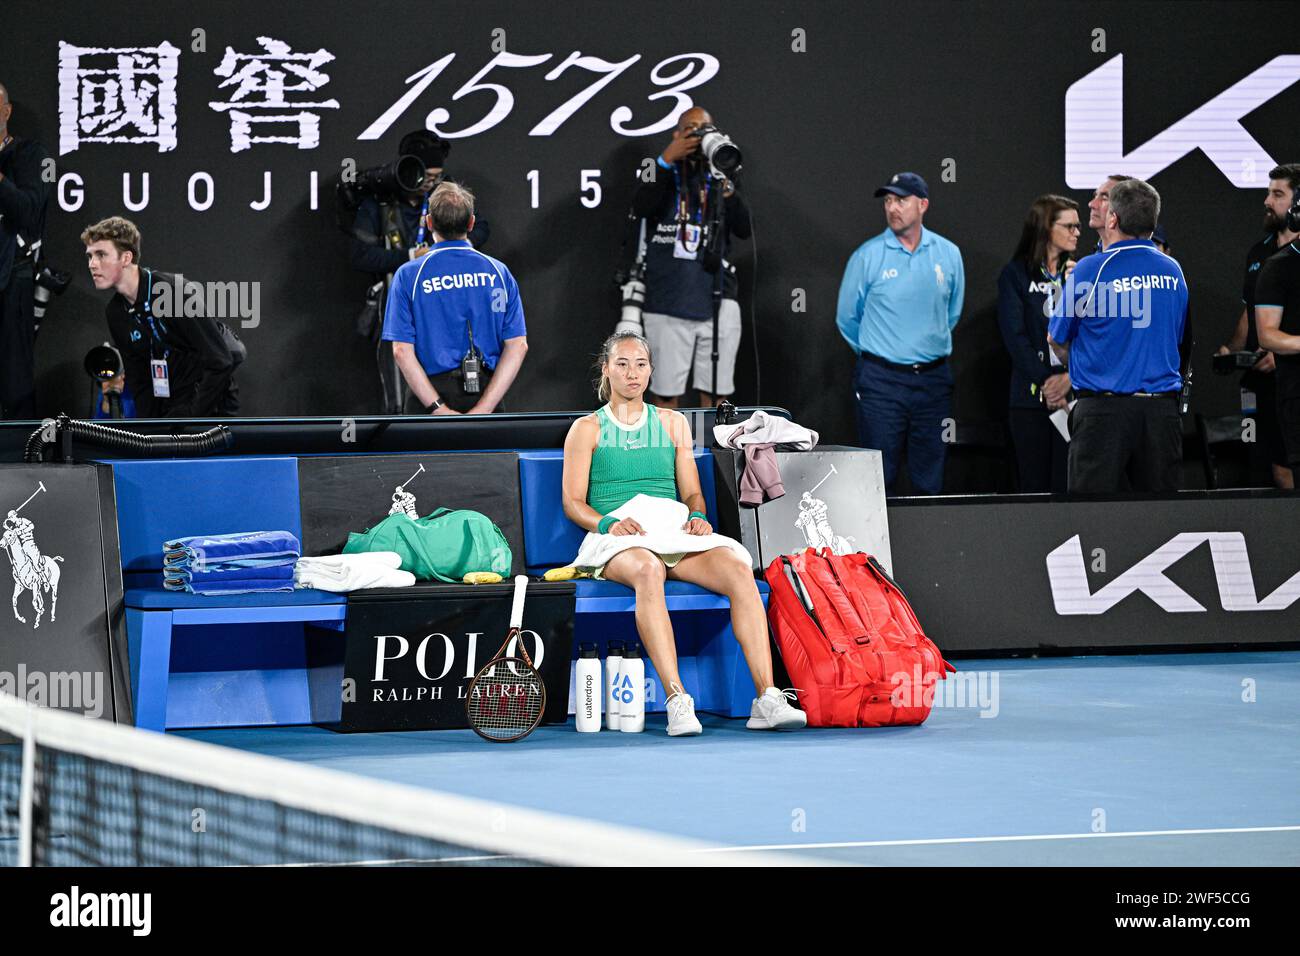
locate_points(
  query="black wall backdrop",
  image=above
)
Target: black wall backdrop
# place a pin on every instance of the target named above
(877, 88)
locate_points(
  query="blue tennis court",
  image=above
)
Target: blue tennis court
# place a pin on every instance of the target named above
(1175, 759)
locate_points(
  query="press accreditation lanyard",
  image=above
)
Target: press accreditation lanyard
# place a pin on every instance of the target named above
(158, 372)
(424, 218)
(689, 223)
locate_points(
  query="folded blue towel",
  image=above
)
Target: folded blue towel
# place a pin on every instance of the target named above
(186, 566)
(208, 550)
(280, 572)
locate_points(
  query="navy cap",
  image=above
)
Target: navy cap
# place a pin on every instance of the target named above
(905, 184)
(1160, 236)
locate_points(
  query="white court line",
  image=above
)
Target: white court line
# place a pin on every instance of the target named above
(407, 861)
(998, 839)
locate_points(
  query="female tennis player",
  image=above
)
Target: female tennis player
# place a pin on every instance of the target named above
(630, 480)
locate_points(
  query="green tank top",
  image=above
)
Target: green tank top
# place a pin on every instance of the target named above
(630, 461)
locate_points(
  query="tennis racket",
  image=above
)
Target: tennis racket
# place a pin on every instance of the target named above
(506, 698)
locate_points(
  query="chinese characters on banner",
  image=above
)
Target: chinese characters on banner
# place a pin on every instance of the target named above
(128, 95)
(117, 95)
(260, 81)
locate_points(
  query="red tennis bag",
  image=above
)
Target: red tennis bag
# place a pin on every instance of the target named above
(850, 641)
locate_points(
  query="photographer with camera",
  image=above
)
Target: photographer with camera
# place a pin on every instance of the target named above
(1260, 379)
(691, 209)
(384, 213)
(23, 197)
(455, 318)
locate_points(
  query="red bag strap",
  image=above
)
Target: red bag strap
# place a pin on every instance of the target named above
(842, 567)
(839, 619)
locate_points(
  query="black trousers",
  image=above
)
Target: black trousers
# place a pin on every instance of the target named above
(1111, 435)
(1041, 453)
(18, 345)
(449, 387)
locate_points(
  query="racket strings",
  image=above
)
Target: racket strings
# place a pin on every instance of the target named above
(506, 700)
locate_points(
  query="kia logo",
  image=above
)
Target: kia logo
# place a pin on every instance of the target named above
(1094, 128)
(1071, 594)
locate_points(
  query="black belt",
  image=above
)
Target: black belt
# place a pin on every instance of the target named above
(1088, 393)
(915, 368)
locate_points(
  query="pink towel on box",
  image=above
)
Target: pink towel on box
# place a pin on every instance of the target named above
(762, 478)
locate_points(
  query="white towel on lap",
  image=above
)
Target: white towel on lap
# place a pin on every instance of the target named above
(662, 519)
(352, 572)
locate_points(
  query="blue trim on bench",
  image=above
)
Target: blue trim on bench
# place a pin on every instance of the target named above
(149, 639)
(153, 599)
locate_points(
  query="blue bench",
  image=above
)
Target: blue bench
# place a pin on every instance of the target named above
(182, 646)
(709, 659)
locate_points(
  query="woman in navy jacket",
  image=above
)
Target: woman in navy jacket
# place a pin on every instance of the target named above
(1028, 286)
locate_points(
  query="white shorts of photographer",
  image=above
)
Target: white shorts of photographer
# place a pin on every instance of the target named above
(681, 346)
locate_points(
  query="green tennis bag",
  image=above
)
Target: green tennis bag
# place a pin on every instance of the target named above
(443, 546)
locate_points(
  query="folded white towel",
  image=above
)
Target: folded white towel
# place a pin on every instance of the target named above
(352, 572)
(662, 519)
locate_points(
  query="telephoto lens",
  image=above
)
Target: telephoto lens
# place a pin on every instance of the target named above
(403, 175)
(723, 154)
(633, 301)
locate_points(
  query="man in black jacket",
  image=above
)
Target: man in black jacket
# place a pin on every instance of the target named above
(177, 365)
(678, 314)
(23, 197)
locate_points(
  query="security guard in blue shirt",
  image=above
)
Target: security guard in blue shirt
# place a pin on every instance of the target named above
(1118, 326)
(899, 301)
(455, 318)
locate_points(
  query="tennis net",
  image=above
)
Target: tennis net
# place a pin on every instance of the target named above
(83, 792)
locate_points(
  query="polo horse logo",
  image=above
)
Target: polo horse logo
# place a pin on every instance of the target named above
(403, 500)
(32, 570)
(814, 522)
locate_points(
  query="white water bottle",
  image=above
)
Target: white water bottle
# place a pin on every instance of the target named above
(631, 691)
(613, 658)
(591, 692)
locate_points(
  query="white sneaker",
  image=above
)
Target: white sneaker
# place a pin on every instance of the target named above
(772, 711)
(682, 721)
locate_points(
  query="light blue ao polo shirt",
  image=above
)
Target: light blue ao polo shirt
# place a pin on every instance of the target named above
(900, 305)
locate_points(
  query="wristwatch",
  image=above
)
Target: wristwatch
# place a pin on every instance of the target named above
(437, 404)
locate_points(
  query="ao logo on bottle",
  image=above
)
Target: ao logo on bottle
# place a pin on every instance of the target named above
(623, 689)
